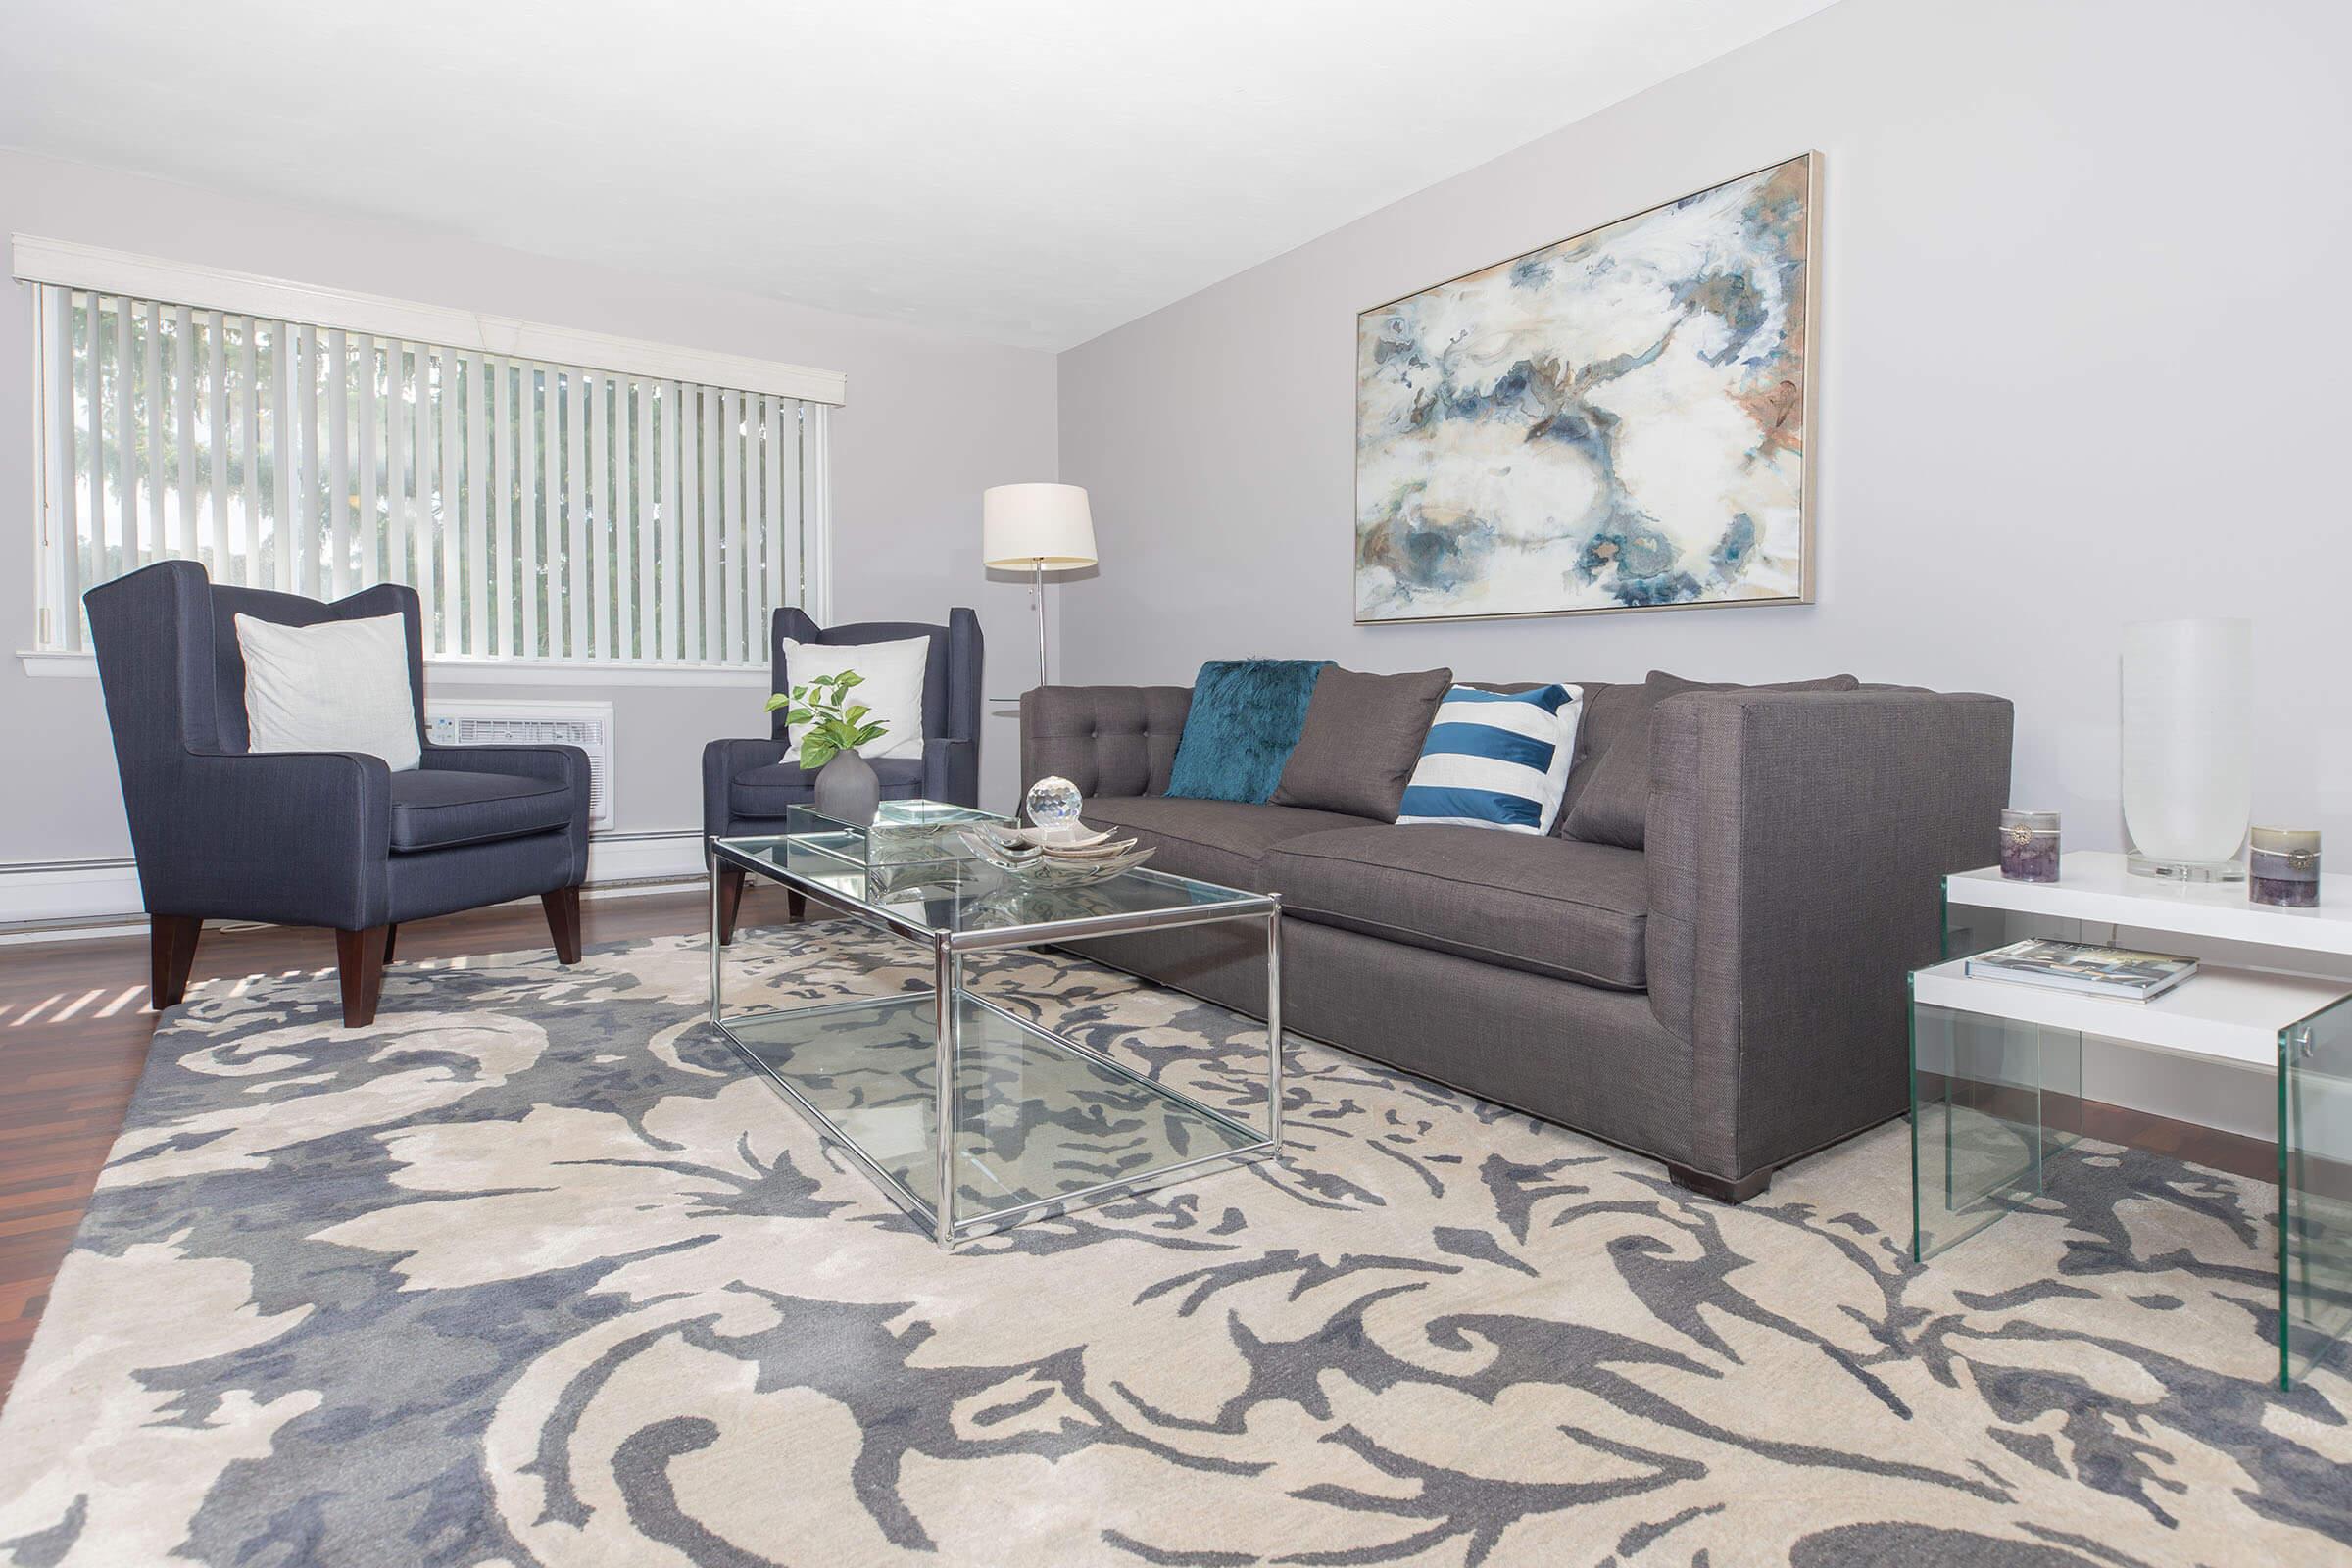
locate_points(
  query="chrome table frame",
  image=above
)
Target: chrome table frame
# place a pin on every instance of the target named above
(948, 950)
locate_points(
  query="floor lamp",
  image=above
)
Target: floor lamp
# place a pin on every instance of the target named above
(1036, 529)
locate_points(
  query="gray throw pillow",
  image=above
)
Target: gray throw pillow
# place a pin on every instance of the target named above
(1610, 711)
(1363, 738)
(1611, 802)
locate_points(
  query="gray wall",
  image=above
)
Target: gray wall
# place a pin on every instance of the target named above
(932, 419)
(2075, 359)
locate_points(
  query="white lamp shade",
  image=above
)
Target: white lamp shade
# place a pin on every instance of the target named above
(1027, 525)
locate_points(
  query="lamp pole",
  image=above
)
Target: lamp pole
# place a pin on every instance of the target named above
(1037, 592)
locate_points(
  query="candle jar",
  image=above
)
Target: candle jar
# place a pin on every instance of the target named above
(2284, 867)
(2029, 846)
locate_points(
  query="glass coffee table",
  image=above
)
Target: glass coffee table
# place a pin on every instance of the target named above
(968, 1115)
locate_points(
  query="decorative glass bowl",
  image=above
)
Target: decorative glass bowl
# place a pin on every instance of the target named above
(1018, 852)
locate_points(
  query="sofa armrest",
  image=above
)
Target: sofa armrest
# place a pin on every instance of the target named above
(952, 770)
(1797, 843)
(1108, 739)
(297, 838)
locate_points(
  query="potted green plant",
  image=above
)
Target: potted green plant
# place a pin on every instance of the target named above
(830, 729)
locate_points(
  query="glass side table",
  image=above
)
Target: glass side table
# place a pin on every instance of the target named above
(1996, 1066)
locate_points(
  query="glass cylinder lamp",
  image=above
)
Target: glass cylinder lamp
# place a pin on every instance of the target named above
(2187, 745)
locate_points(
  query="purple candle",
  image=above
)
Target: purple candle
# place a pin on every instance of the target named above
(2029, 846)
(2282, 868)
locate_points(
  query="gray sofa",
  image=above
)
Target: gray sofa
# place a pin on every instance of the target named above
(1727, 998)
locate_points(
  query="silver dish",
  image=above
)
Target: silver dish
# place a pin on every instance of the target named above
(1039, 867)
(1069, 855)
(1053, 838)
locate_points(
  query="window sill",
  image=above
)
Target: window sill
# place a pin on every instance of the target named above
(485, 671)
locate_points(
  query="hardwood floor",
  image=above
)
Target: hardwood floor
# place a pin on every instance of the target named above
(75, 1028)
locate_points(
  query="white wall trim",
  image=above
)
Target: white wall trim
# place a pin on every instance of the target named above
(213, 288)
(98, 891)
(99, 895)
(667, 854)
(588, 672)
(50, 664)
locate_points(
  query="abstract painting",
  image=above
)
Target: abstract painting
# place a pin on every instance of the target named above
(1616, 421)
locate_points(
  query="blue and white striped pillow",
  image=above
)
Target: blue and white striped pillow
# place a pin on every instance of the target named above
(1497, 759)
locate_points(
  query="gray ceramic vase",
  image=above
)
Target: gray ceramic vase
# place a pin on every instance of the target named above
(848, 790)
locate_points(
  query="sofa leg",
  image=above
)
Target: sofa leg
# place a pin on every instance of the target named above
(172, 949)
(564, 922)
(1715, 1187)
(391, 940)
(360, 965)
(730, 898)
(796, 903)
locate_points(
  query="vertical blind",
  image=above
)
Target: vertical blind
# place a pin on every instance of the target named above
(541, 512)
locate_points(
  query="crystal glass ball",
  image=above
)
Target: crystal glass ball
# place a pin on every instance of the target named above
(1054, 806)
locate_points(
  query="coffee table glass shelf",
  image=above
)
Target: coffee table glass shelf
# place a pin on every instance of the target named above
(1996, 1066)
(969, 1115)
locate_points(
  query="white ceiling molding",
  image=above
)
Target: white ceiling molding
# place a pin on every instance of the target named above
(213, 288)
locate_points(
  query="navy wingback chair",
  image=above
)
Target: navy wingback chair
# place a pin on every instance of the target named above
(312, 838)
(748, 784)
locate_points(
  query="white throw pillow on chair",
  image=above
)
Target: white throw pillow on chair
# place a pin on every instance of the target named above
(893, 689)
(336, 686)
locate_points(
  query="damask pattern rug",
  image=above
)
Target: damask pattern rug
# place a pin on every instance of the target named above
(530, 1273)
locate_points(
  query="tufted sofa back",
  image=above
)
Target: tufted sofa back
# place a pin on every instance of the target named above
(1108, 739)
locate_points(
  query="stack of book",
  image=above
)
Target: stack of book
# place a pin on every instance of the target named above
(2085, 967)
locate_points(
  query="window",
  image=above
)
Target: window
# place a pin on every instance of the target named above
(543, 511)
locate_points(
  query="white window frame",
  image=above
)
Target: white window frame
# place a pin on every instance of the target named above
(70, 265)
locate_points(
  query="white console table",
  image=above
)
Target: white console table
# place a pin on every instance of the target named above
(1996, 1066)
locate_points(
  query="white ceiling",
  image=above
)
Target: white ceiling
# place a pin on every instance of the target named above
(1031, 172)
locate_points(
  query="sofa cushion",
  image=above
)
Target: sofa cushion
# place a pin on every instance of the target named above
(1362, 736)
(891, 677)
(1245, 719)
(1549, 905)
(767, 791)
(1610, 711)
(1496, 760)
(1612, 806)
(1215, 841)
(436, 808)
(336, 686)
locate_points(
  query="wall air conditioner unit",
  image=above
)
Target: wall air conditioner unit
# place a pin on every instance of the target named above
(493, 722)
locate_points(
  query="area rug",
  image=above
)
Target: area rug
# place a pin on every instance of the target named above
(530, 1273)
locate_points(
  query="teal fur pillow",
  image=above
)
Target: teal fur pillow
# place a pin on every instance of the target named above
(1245, 717)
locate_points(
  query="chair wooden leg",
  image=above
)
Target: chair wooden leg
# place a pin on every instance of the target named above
(730, 898)
(796, 903)
(172, 947)
(564, 922)
(391, 940)
(360, 963)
